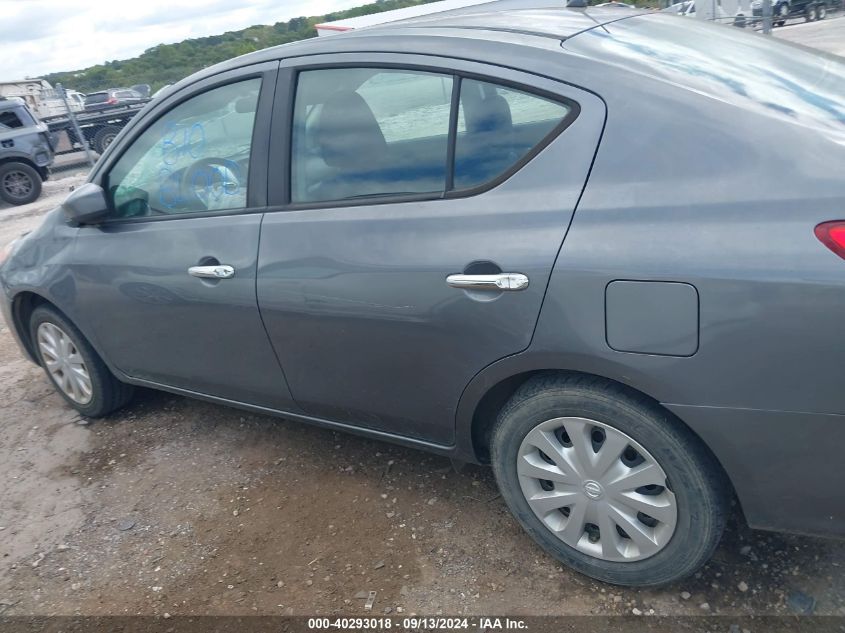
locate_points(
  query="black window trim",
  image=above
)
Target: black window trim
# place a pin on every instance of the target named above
(283, 187)
(257, 185)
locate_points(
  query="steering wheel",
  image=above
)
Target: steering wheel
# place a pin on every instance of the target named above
(214, 183)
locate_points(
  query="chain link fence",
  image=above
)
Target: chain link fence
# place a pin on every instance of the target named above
(81, 129)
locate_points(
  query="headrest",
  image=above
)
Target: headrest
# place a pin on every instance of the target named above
(348, 134)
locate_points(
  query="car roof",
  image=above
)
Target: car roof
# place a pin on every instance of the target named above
(7, 103)
(545, 20)
(539, 26)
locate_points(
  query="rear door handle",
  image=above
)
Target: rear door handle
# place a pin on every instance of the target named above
(218, 271)
(499, 281)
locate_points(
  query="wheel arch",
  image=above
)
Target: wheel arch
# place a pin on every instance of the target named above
(23, 305)
(23, 158)
(477, 418)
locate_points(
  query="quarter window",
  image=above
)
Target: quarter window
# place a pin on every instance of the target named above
(361, 132)
(194, 158)
(497, 127)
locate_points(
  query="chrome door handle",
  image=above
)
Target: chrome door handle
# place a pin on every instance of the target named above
(219, 271)
(500, 281)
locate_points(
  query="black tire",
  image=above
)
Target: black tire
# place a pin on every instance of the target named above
(108, 393)
(103, 138)
(20, 183)
(693, 475)
(821, 11)
(810, 14)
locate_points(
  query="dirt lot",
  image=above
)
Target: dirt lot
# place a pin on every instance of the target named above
(182, 507)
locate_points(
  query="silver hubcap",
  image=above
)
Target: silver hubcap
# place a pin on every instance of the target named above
(64, 363)
(596, 489)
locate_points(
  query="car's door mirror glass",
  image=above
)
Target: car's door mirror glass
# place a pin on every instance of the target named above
(86, 204)
(369, 132)
(193, 158)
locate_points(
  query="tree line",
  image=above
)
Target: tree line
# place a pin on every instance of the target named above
(168, 63)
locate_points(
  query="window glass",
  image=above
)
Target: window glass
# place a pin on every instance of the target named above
(9, 119)
(497, 127)
(194, 158)
(362, 132)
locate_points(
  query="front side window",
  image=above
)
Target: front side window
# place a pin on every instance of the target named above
(361, 132)
(9, 120)
(194, 158)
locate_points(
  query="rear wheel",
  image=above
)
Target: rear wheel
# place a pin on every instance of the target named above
(606, 482)
(104, 138)
(19, 183)
(810, 14)
(821, 11)
(73, 366)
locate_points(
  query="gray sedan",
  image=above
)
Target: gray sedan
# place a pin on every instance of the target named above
(601, 252)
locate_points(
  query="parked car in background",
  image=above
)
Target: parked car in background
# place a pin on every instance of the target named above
(26, 152)
(108, 98)
(782, 10)
(564, 249)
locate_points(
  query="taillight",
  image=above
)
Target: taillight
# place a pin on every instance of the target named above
(832, 235)
(112, 100)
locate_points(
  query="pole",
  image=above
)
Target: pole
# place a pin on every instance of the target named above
(767, 17)
(75, 125)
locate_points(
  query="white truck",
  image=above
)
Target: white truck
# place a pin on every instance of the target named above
(41, 98)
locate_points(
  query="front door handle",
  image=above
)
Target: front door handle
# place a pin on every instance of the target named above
(218, 271)
(499, 281)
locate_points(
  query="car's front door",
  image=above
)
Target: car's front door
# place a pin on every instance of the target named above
(409, 192)
(167, 282)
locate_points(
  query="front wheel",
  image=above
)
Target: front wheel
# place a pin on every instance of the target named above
(606, 482)
(19, 183)
(810, 14)
(73, 366)
(821, 11)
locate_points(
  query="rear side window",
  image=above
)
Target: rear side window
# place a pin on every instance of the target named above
(369, 132)
(97, 97)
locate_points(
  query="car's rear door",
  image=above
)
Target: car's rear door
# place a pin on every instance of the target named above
(368, 222)
(187, 191)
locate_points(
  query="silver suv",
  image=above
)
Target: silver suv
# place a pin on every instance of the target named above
(26, 152)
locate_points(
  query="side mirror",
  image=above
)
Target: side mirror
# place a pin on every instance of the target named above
(86, 204)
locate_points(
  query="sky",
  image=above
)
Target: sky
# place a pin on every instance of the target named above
(43, 36)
